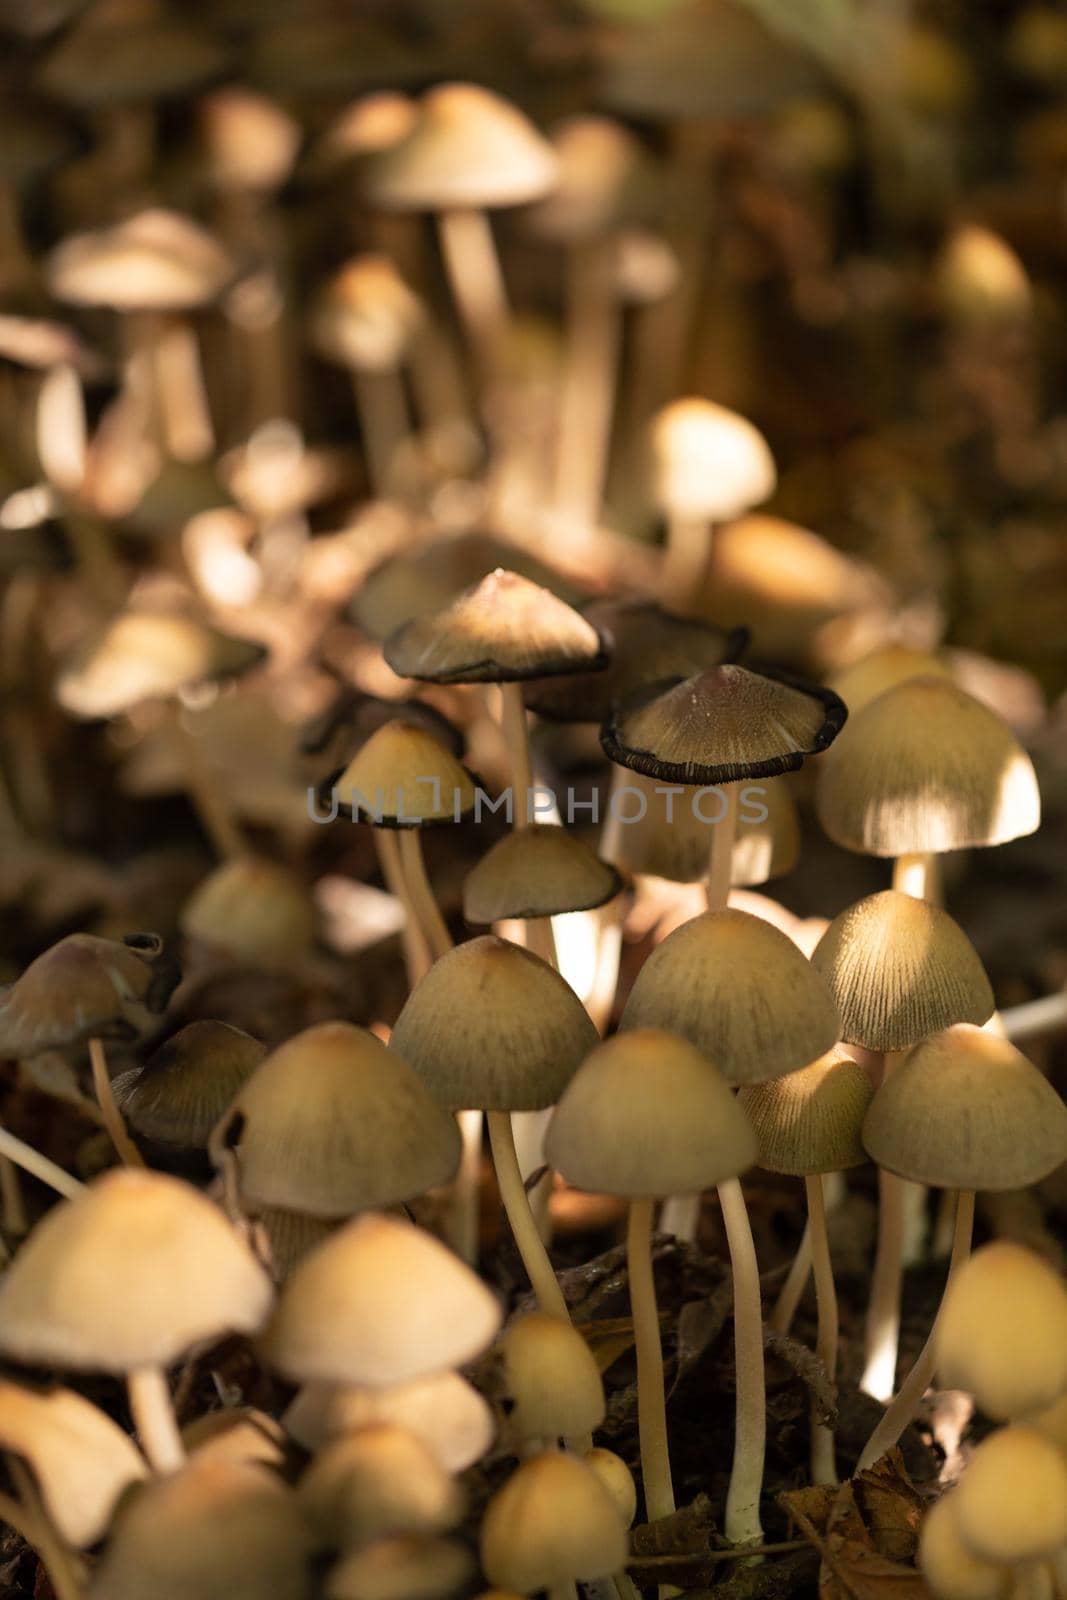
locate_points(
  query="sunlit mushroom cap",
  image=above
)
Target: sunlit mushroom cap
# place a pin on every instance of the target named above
(180, 1093)
(709, 462)
(926, 767)
(900, 969)
(214, 1527)
(469, 149)
(809, 1121)
(504, 629)
(250, 141)
(1001, 1332)
(445, 1411)
(253, 909)
(552, 1522)
(950, 1570)
(154, 261)
(741, 992)
(365, 127)
(84, 985)
(539, 871)
(146, 656)
(405, 777)
(979, 280)
(550, 1384)
(966, 1110)
(332, 1123)
(617, 1479)
(407, 1567)
(379, 1303)
(380, 1481)
(647, 1114)
(128, 60)
(366, 316)
(81, 1461)
(673, 837)
(723, 726)
(604, 177)
(493, 1026)
(648, 645)
(1011, 1503)
(864, 680)
(131, 1273)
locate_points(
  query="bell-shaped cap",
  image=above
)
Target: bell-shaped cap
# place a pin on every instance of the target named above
(926, 767)
(154, 261)
(617, 1479)
(672, 837)
(82, 1462)
(710, 464)
(1011, 1503)
(379, 1481)
(605, 178)
(366, 317)
(249, 141)
(810, 1121)
(723, 726)
(647, 1114)
(146, 655)
(980, 281)
(132, 1273)
(950, 1570)
(332, 1122)
(408, 1566)
(900, 969)
(540, 871)
(966, 1110)
(84, 985)
(253, 909)
(469, 150)
(864, 680)
(503, 630)
(739, 990)
(1001, 1332)
(180, 1093)
(493, 1027)
(379, 1303)
(214, 1527)
(405, 777)
(550, 1384)
(442, 1409)
(553, 1522)
(648, 645)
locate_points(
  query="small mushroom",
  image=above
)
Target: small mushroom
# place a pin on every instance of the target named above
(553, 1523)
(445, 1411)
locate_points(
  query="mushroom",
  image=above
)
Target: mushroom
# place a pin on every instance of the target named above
(378, 1481)
(950, 1570)
(550, 1384)
(406, 1567)
(1011, 1503)
(442, 1409)
(174, 1100)
(552, 1523)
(253, 910)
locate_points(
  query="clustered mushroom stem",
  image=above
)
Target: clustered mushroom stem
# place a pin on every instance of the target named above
(517, 738)
(593, 331)
(789, 1296)
(185, 417)
(685, 561)
(913, 874)
(477, 283)
(905, 1405)
(742, 1520)
(428, 912)
(383, 421)
(531, 1248)
(883, 1310)
(417, 958)
(215, 816)
(125, 1148)
(651, 1402)
(32, 1161)
(154, 1419)
(464, 1211)
(721, 855)
(28, 1517)
(823, 1465)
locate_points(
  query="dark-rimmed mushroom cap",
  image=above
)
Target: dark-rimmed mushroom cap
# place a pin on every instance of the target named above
(809, 1121)
(179, 1094)
(540, 871)
(103, 62)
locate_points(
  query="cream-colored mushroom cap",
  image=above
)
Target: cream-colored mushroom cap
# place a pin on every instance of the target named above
(469, 149)
(1011, 1503)
(1052, 1422)
(710, 463)
(250, 141)
(148, 655)
(1002, 1331)
(493, 1026)
(82, 985)
(864, 680)
(366, 316)
(809, 1121)
(442, 1409)
(380, 1302)
(177, 1097)
(404, 777)
(379, 1481)
(82, 1461)
(407, 1567)
(647, 1114)
(553, 1522)
(739, 990)
(966, 1110)
(617, 1479)
(900, 969)
(950, 1570)
(926, 767)
(154, 261)
(213, 1528)
(550, 1384)
(539, 871)
(253, 909)
(132, 1273)
(332, 1123)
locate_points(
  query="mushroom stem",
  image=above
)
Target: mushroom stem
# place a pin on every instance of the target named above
(417, 957)
(539, 939)
(742, 1520)
(212, 810)
(463, 1216)
(685, 561)
(517, 738)
(523, 1226)
(681, 1216)
(905, 1405)
(125, 1148)
(883, 1310)
(31, 1160)
(1035, 1017)
(29, 1518)
(383, 421)
(651, 1400)
(477, 283)
(427, 911)
(789, 1296)
(185, 418)
(823, 1465)
(913, 874)
(154, 1419)
(721, 853)
(593, 331)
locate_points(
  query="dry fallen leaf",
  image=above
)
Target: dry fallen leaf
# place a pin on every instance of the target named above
(853, 1564)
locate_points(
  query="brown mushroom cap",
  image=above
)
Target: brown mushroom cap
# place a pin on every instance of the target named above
(407, 1567)
(379, 1481)
(154, 261)
(552, 1522)
(809, 1121)
(741, 991)
(103, 62)
(178, 1096)
(966, 1110)
(147, 656)
(83, 985)
(540, 871)
(445, 1411)
(253, 909)
(900, 969)
(405, 777)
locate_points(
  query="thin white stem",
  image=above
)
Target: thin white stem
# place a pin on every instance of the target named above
(1035, 1017)
(651, 1400)
(31, 1160)
(413, 865)
(741, 1523)
(539, 1268)
(464, 1210)
(681, 1216)
(883, 1308)
(721, 854)
(417, 957)
(383, 420)
(154, 1419)
(185, 417)
(517, 738)
(477, 284)
(789, 1296)
(685, 562)
(540, 940)
(125, 1148)
(823, 1465)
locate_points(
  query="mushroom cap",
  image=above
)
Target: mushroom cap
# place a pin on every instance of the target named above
(809, 1121)
(155, 261)
(180, 1093)
(253, 909)
(250, 141)
(1002, 1331)
(710, 463)
(1011, 1503)
(552, 1522)
(617, 1479)
(926, 767)
(445, 1411)
(604, 177)
(672, 838)
(405, 777)
(966, 1110)
(408, 1567)
(741, 991)
(286, 1237)
(501, 631)
(492, 1026)
(469, 150)
(1052, 1422)
(550, 1382)
(723, 726)
(900, 969)
(864, 680)
(645, 1115)
(238, 1434)
(333, 1122)
(82, 1461)
(147, 656)
(80, 986)
(214, 1527)
(131, 1273)
(979, 280)
(648, 645)
(540, 871)
(380, 1302)
(950, 1570)
(379, 1481)
(366, 316)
